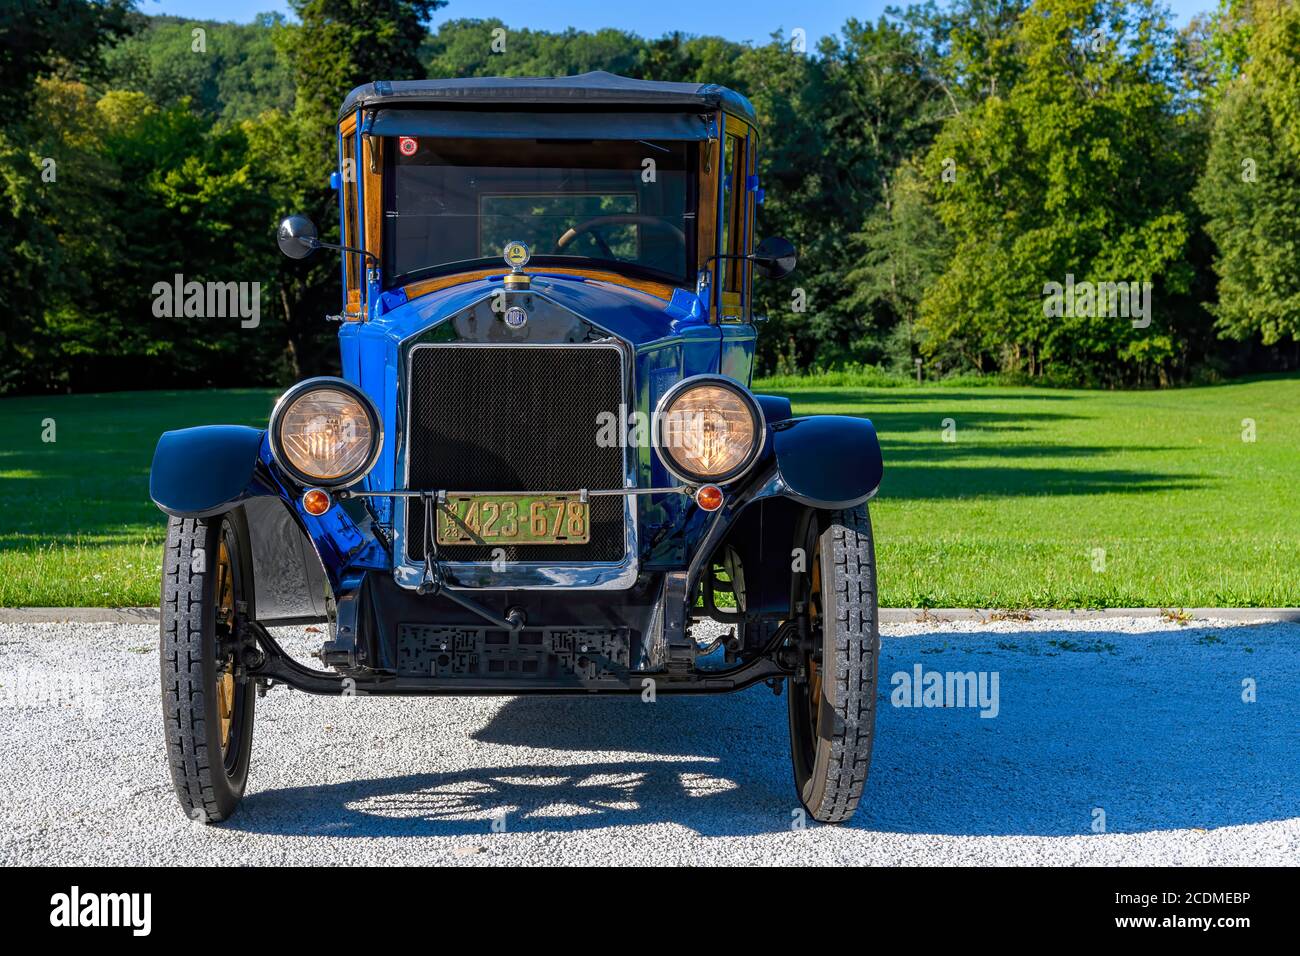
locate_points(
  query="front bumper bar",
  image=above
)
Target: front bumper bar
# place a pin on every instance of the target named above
(774, 662)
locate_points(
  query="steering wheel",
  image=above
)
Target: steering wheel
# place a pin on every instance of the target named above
(598, 222)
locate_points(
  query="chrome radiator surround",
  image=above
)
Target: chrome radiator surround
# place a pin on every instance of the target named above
(578, 574)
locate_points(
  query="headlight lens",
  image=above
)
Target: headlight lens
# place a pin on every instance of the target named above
(710, 431)
(325, 434)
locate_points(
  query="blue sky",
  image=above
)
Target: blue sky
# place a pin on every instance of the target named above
(646, 17)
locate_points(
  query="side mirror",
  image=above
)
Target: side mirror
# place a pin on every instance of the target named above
(297, 237)
(775, 257)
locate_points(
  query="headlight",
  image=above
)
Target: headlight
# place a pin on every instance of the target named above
(325, 431)
(708, 428)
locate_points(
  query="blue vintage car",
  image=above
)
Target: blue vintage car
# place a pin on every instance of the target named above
(543, 463)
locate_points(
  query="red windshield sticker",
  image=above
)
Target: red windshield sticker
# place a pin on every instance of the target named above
(407, 145)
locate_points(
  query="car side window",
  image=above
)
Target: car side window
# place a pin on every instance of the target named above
(352, 268)
(734, 214)
(733, 183)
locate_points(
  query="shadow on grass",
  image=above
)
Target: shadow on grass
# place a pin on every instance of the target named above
(921, 482)
(877, 398)
(939, 453)
(1149, 728)
(917, 468)
(890, 424)
(94, 481)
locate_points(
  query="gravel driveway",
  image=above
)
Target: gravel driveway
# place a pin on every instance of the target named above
(1137, 726)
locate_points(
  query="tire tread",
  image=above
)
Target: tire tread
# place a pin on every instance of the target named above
(857, 660)
(194, 771)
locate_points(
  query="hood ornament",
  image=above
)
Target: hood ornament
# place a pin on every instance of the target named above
(516, 255)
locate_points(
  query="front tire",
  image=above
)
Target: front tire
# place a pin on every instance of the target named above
(207, 703)
(832, 701)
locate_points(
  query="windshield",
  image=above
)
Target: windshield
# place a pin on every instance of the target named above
(453, 204)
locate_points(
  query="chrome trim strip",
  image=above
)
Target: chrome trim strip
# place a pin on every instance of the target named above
(583, 493)
(578, 575)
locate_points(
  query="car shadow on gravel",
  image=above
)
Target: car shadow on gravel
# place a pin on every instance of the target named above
(715, 765)
(1150, 730)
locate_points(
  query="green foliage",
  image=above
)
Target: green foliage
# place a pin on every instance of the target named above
(344, 43)
(857, 375)
(223, 70)
(468, 47)
(834, 128)
(338, 45)
(1250, 192)
(936, 168)
(903, 249)
(38, 37)
(1227, 46)
(972, 45)
(1081, 169)
(154, 168)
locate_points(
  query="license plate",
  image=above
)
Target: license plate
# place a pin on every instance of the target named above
(513, 519)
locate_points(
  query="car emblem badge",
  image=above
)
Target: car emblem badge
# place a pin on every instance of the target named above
(516, 254)
(516, 317)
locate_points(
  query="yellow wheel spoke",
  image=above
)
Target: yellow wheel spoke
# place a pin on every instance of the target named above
(225, 608)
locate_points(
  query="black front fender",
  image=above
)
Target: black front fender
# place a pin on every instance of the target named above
(828, 461)
(198, 472)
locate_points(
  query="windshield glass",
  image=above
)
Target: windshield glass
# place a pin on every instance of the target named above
(453, 204)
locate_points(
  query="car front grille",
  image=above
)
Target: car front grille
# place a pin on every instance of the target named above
(516, 418)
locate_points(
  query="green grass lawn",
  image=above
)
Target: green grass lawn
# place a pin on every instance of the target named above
(1044, 498)
(77, 527)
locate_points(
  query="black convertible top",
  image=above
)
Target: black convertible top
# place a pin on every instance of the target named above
(587, 90)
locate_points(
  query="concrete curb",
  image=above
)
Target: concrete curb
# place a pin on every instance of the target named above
(892, 615)
(79, 615)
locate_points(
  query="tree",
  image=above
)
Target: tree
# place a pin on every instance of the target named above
(337, 46)
(1251, 188)
(150, 193)
(1080, 173)
(471, 47)
(343, 43)
(904, 250)
(39, 38)
(971, 45)
(227, 71)
(833, 129)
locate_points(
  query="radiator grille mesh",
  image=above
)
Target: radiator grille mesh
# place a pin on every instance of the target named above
(516, 418)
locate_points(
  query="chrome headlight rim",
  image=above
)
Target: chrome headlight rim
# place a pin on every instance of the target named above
(755, 410)
(332, 383)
